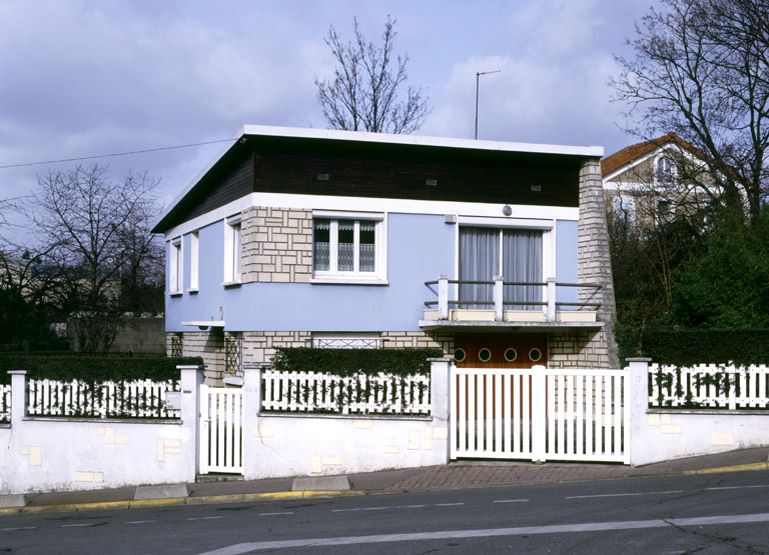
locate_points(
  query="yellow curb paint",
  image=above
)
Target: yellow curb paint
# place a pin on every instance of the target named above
(202, 500)
(733, 468)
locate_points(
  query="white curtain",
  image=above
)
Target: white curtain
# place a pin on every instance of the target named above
(522, 261)
(478, 261)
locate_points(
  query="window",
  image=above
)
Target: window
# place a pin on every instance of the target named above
(514, 254)
(664, 211)
(194, 265)
(175, 284)
(232, 248)
(624, 208)
(664, 169)
(347, 248)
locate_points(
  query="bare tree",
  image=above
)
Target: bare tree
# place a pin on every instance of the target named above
(700, 70)
(366, 93)
(95, 231)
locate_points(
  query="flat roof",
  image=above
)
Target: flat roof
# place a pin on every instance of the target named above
(382, 138)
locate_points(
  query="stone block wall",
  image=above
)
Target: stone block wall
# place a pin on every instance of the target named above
(418, 339)
(277, 245)
(209, 345)
(594, 260)
(580, 349)
(259, 346)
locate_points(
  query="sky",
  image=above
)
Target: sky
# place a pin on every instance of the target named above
(91, 77)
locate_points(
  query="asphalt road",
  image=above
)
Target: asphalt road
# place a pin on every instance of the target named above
(718, 513)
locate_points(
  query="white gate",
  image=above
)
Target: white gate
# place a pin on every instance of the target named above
(221, 434)
(540, 414)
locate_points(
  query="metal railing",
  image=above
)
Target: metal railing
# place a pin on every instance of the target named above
(500, 298)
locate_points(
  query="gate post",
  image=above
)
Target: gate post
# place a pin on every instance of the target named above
(441, 406)
(252, 405)
(538, 413)
(638, 378)
(191, 377)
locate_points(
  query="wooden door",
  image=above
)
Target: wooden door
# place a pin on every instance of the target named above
(510, 350)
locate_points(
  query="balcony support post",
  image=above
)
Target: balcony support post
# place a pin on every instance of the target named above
(550, 308)
(443, 298)
(499, 301)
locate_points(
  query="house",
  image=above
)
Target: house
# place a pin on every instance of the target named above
(653, 181)
(495, 252)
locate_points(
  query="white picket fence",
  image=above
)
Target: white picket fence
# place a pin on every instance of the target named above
(709, 386)
(109, 399)
(319, 392)
(5, 403)
(539, 414)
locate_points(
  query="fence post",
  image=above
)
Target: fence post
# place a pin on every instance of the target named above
(499, 299)
(191, 380)
(443, 297)
(252, 407)
(538, 412)
(18, 396)
(550, 309)
(440, 406)
(638, 382)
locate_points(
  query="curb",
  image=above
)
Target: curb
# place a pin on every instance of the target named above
(732, 468)
(202, 500)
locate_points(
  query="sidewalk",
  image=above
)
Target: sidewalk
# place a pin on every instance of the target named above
(462, 474)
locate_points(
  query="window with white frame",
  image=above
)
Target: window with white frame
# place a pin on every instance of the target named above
(624, 208)
(664, 170)
(348, 246)
(175, 283)
(194, 257)
(232, 248)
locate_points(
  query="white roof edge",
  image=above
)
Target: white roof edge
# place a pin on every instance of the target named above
(420, 140)
(383, 138)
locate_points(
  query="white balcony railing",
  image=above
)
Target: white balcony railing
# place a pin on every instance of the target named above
(506, 295)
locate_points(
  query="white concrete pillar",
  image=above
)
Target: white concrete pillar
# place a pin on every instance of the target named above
(443, 298)
(538, 412)
(192, 377)
(499, 299)
(639, 403)
(440, 383)
(252, 404)
(18, 396)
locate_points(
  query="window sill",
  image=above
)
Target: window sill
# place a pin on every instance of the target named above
(230, 284)
(348, 281)
(192, 291)
(176, 293)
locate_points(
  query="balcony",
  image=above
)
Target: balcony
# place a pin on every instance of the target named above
(499, 304)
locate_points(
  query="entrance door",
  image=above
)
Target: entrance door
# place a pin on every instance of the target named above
(221, 430)
(510, 350)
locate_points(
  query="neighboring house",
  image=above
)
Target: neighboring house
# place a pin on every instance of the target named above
(306, 237)
(654, 181)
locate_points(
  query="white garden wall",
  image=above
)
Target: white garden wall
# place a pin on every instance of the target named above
(290, 445)
(48, 454)
(659, 435)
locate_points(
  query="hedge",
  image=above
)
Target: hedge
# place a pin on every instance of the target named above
(344, 362)
(94, 368)
(695, 346)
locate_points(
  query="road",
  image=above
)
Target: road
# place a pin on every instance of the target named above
(717, 513)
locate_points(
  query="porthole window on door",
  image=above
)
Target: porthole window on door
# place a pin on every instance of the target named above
(460, 355)
(511, 354)
(484, 354)
(535, 355)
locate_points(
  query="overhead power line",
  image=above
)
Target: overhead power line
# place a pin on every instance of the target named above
(113, 154)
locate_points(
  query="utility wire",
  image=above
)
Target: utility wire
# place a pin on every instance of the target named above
(25, 164)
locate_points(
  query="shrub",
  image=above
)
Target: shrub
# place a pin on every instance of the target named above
(345, 362)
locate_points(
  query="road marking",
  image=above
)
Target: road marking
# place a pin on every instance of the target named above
(411, 507)
(205, 517)
(511, 501)
(273, 514)
(448, 504)
(626, 494)
(19, 528)
(737, 487)
(139, 521)
(79, 525)
(240, 548)
(395, 507)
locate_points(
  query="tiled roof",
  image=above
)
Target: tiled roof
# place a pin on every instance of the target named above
(630, 153)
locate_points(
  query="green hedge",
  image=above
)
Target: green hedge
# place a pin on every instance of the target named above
(94, 368)
(695, 346)
(345, 362)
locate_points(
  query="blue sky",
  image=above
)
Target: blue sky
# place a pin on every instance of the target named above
(92, 77)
